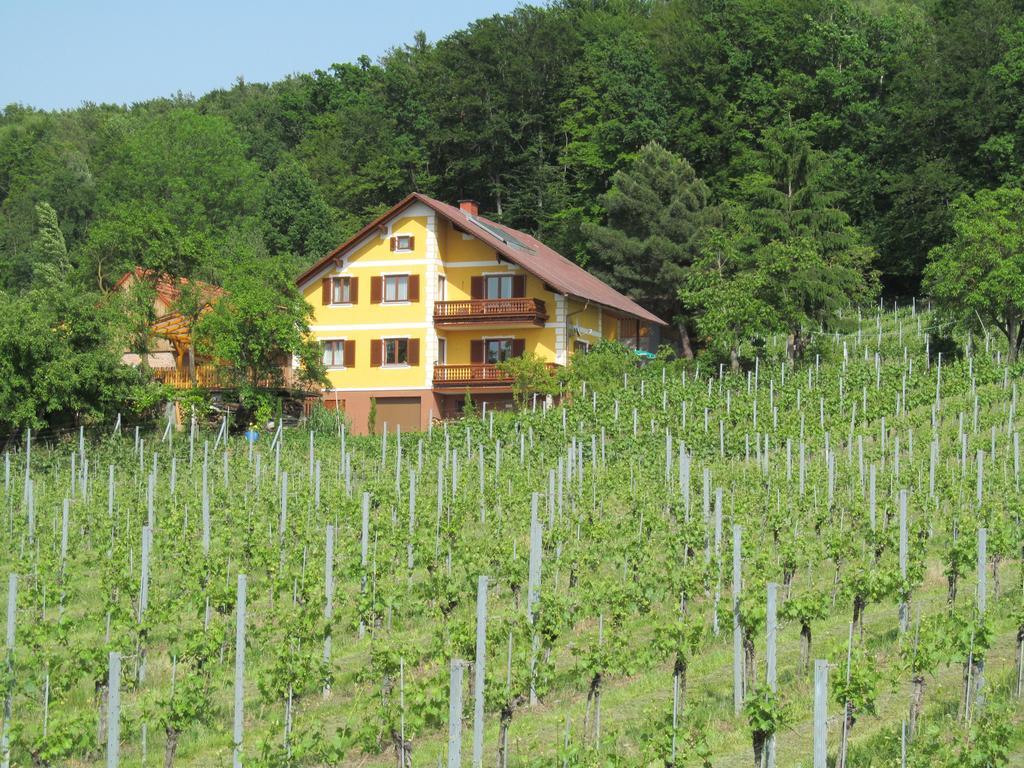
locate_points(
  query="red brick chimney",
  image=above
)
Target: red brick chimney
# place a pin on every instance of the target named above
(470, 207)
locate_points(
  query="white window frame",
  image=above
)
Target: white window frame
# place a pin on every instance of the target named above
(586, 346)
(442, 288)
(341, 342)
(384, 362)
(398, 239)
(384, 288)
(442, 351)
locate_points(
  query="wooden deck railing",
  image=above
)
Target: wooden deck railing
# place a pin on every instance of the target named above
(457, 375)
(212, 377)
(522, 310)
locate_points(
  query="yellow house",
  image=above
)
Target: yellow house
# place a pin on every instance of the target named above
(421, 304)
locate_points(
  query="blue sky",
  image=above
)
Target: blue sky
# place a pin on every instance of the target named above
(58, 53)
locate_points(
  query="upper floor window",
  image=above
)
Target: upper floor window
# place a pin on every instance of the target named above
(497, 286)
(403, 243)
(396, 288)
(501, 286)
(341, 290)
(580, 347)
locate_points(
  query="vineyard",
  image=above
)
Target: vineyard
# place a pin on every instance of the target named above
(681, 565)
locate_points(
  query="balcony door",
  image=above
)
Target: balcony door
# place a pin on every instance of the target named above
(494, 351)
(497, 350)
(497, 286)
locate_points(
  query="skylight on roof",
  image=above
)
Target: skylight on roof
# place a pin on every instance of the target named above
(495, 231)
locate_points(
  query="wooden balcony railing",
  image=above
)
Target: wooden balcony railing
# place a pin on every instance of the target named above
(212, 377)
(522, 310)
(473, 373)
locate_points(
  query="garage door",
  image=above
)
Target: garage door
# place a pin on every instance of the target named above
(398, 411)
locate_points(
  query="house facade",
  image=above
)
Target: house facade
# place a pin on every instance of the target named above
(171, 356)
(421, 304)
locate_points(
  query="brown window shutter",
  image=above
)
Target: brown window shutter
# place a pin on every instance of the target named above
(376, 289)
(326, 287)
(476, 287)
(394, 243)
(518, 347)
(414, 287)
(412, 242)
(353, 290)
(350, 353)
(476, 351)
(375, 352)
(518, 286)
(414, 352)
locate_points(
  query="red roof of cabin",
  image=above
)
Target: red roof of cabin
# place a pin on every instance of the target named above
(561, 274)
(168, 287)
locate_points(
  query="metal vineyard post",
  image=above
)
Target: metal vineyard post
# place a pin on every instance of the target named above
(239, 714)
(478, 672)
(820, 713)
(455, 714)
(113, 709)
(737, 634)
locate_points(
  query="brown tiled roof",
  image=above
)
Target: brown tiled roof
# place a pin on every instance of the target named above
(167, 287)
(517, 247)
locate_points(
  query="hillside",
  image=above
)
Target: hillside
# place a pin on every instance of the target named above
(635, 488)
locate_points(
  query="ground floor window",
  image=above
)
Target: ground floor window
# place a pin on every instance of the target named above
(334, 353)
(580, 347)
(396, 351)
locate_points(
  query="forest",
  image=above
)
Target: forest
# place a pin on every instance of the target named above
(741, 168)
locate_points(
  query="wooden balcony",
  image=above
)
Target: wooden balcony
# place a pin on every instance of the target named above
(212, 377)
(500, 311)
(474, 374)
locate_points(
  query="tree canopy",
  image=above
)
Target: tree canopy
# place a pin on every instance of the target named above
(839, 133)
(978, 278)
(258, 326)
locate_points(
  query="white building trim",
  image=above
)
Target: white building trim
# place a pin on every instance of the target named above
(368, 327)
(430, 296)
(561, 356)
(376, 389)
